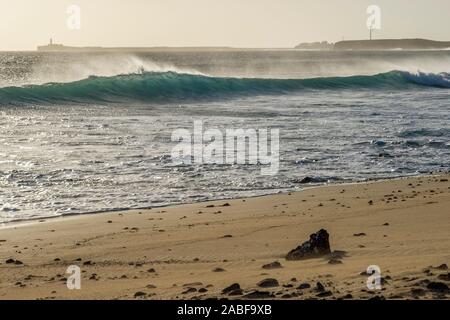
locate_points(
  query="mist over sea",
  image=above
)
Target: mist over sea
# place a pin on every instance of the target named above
(92, 132)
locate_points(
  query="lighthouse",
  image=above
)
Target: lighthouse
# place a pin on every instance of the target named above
(51, 46)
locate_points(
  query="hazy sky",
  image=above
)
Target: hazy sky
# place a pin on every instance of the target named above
(24, 24)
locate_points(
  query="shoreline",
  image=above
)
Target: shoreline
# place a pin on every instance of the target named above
(194, 251)
(303, 187)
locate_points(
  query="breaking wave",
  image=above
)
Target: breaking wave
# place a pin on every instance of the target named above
(172, 86)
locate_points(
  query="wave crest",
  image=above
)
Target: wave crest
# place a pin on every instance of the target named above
(172, 86)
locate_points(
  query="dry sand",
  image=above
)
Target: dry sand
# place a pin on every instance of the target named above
(176, 252)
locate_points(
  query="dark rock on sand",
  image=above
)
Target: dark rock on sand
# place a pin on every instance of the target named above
(12, 261)
(273, 265)
(219, 270)
(304, 286)
(189, 290)
(445, 276)
(268, 283)
(384, 280)
(442, 267)
(438, 287)
(317, 245)
(193, 284)
(320, 287)
(233, 287)
(237, 292)
(324, 294)
(259, 295)
(139, 294)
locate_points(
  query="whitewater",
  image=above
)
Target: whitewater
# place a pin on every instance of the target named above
(91, 133)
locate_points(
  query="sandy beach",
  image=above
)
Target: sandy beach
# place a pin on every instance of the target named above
(195, 251)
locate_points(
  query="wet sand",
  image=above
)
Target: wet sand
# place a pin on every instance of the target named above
(195, 251)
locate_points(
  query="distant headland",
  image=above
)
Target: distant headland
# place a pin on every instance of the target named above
(379, 44)
(56, 47)
(347, 45)
(324, 45)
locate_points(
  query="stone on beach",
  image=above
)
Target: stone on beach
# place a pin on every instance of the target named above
(438, 286)
(233, 287)
(268, 283)
(12, 261)
(259, 295)
(272, 265)
(318, 245)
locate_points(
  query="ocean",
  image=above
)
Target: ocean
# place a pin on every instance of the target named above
(82, 133)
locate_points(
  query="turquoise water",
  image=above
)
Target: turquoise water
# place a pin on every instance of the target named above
(165, 87)
(87, 133)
